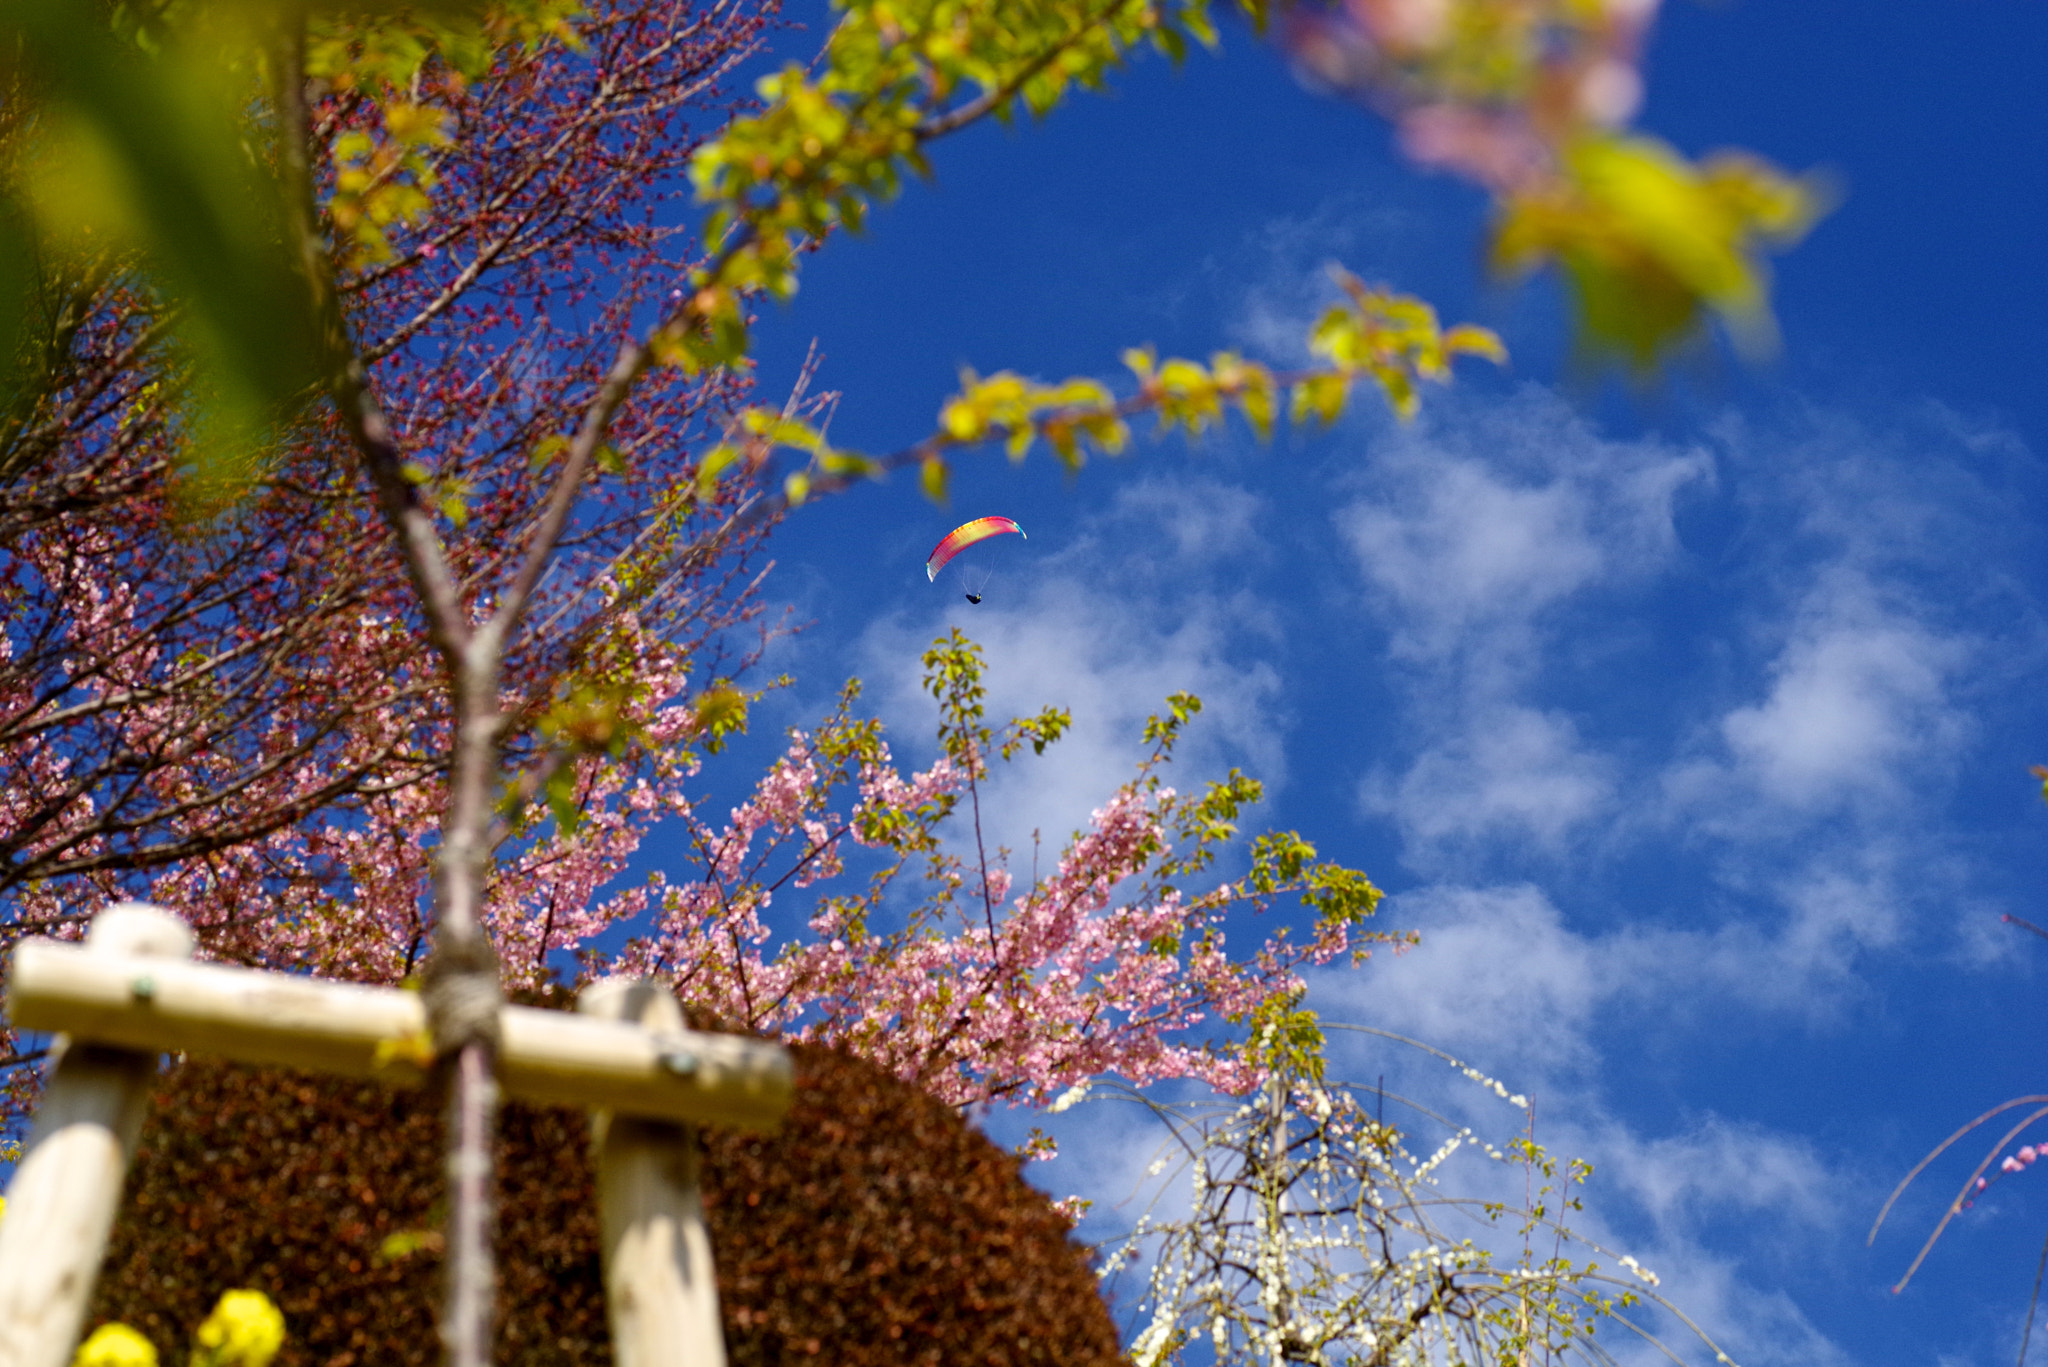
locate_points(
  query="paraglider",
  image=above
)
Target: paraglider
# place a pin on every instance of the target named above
(958, 540)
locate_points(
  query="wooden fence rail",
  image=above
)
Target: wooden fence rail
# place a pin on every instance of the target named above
(549, 1057)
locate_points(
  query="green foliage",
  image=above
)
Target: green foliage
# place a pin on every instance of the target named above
(1340, 896)
(1037, 731)
(1017, 411)
(403, 61)
(721, 713)
(1391, 339)
(379, 181)
(895, 74)
(1278, 859)
(1162, 732)
(1287, 1037)
(1651, 243)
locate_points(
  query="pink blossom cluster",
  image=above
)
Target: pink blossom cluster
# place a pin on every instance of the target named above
(1490, 89)
(964, 981)
(2011, 1165)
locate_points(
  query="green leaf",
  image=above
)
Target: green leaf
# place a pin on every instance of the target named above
(715, 463)
(561, 797)
(934, 474)
(545, 450)
(1341, 894)
(721, 711)
(407, 1242)
(1651, 243)
(1321, 397)
(850, 463)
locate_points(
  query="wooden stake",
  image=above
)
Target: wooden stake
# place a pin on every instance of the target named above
(659, 1285)
(61, 1202)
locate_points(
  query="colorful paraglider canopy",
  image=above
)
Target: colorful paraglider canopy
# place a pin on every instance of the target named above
(965, 535)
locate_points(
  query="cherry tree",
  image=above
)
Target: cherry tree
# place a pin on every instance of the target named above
(232, 716)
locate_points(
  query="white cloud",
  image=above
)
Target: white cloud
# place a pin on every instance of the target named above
(1174, 528)
(1507, 772)
(1497, 970)
(1475, 522)
(1720, 1167)
(1478, 536)
(1755, 1324)
(1464, 548)
(1858, 698)
(1501, 970)
(1819, 665)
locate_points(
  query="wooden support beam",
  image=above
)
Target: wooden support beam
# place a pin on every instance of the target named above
(551, 1057)
(660, 1289)
(61, 1201)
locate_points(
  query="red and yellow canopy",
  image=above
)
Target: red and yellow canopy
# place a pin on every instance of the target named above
(965, 535)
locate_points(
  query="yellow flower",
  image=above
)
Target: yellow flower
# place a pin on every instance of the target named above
(115, 1345)
(244, 1330)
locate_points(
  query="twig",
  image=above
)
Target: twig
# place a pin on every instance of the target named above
(2033, 1302)
(2012, 920)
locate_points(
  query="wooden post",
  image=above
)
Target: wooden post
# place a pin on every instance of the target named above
(61, 1202)
(660, 1290)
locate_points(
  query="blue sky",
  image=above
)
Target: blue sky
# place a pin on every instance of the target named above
(1690, 729)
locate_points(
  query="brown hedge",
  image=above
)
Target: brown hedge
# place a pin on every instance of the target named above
(876, 1227)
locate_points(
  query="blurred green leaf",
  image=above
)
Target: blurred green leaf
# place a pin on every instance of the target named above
(721, 712)
(934, 475)
(18, 346)
(1651, 244)
(146, 153)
